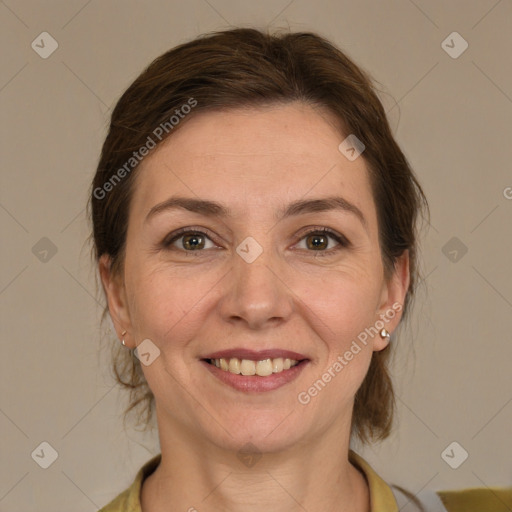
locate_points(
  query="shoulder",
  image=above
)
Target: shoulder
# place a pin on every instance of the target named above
(119, 504)
(129, 500)
(491, 499)
(457, 500)
(381, 495)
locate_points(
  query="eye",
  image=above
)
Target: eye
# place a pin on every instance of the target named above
(318, 240)
(188, 240)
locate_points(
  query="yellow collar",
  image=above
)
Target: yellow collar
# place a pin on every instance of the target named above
(381, 496)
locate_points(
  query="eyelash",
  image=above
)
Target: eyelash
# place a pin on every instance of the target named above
(342, 241)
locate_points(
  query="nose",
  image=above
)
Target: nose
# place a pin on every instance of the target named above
(256, 293)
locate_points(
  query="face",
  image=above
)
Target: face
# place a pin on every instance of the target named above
(286, 263)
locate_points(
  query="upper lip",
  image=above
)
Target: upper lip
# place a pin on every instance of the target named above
(255, 355)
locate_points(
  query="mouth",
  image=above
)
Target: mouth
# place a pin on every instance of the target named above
(246, 362)
(247, 367)
(255, 376)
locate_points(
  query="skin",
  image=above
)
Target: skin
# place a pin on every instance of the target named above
(189, 304)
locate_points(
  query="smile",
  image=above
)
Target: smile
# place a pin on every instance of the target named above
(258, 376)
(247, 367)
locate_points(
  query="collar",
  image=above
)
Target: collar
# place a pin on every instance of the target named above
(381, 496)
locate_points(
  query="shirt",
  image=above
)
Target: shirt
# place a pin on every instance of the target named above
(382, 498)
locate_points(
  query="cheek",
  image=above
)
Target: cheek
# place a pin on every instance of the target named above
(341, 307)
(164, 301)
(344, 300)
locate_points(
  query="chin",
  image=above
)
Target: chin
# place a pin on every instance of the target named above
(265, 431)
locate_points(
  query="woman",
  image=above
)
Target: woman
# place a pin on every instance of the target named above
(254, 224)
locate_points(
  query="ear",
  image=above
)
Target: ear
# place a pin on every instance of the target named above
(394, 291)
(116, 298)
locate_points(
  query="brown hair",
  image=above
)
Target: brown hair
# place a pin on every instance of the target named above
(247, 68)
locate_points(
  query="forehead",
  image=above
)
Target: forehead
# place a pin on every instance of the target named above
(254, 157)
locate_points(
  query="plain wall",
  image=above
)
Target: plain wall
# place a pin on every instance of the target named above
(453, 119)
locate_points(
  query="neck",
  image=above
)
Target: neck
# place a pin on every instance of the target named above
(315, 476)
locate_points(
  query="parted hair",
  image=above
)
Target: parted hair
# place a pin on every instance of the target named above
(246, 67)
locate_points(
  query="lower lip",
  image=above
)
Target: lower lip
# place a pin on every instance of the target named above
(254, 383)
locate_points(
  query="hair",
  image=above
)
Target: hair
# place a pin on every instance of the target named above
(240, 68)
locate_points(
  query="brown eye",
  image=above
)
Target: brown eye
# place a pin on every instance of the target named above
(188, 241)
(193, 242)
(317, 241)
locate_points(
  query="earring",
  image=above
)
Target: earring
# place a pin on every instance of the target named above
(384, 334)
(122, 334)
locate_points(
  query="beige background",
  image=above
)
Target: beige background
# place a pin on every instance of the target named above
(453, 121)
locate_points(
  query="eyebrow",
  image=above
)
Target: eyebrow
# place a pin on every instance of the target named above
(299, 207)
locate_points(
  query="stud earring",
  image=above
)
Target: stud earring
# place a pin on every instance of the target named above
(384, 334)
(122, 334)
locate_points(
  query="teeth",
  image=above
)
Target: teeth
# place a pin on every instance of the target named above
(261, 368)
(248, 367)
(264, 368)
(234, 365)
(277, 365)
